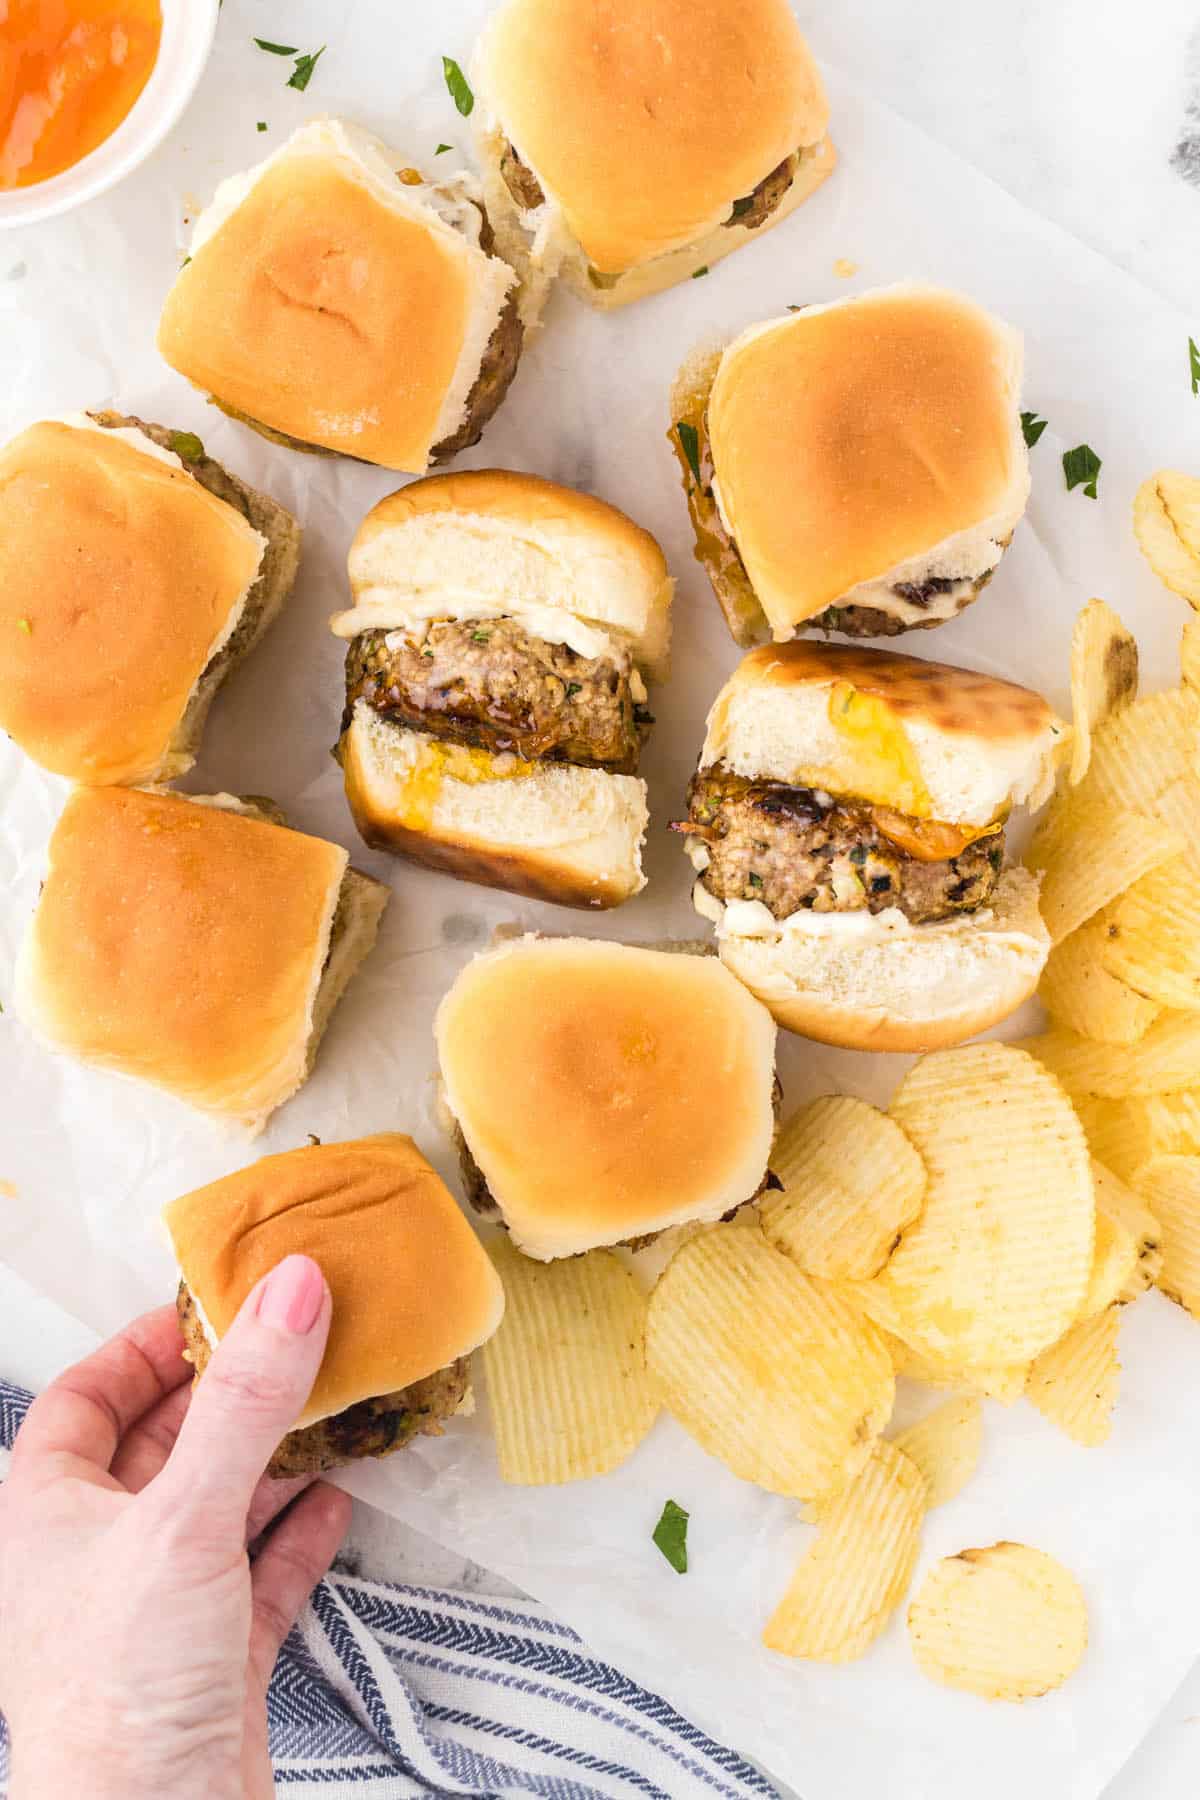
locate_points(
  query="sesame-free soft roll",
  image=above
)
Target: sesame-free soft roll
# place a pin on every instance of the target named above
(603, 1092)
(338, 300)
(193, 943)
(631, 144)
(846, 824)
(855, 467)
(413, 1290)
(502, 634)
(135, 573)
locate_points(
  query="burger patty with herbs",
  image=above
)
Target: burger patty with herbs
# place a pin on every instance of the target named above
(796, 849)
(491, 684)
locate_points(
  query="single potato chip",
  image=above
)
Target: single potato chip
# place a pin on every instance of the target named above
(857, 1570)
(1126, 1216)
(1165, 1060)
(1114, 1265)
(1123, 1134)
(1143, 749)
(1170, 1186)
(566, 1374)
(1007, 1622)
(1104, 677)
(996, 1267)
(772, 1372)
(1189, 653)
(1154, 936)
(1079, 992)
(1074, 1383)
(1166, 522)
(1106, 851)
(851, 1183)
(945, 1446)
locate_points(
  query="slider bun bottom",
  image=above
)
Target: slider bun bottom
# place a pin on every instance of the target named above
(925, 991)
(568, 835)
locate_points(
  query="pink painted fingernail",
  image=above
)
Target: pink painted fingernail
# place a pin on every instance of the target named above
(292, 1295)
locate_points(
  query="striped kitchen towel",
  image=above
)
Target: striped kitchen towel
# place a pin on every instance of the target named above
(385, 1693)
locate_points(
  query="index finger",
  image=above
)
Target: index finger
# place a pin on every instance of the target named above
(89, 1408)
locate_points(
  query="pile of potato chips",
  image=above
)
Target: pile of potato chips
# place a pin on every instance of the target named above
(981, 1236)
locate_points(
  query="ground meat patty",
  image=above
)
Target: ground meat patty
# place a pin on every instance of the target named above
(372, 1428)
(520, 180)
(786, 847)
(872, 621)
(492, 684)
(496, 371)
(756, 208)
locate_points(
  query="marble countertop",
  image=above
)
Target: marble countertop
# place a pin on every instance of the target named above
(1093, 121)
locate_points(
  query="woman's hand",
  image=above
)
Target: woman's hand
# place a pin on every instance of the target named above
(136, 1639)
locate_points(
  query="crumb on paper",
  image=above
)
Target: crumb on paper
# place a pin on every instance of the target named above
(8, 1190)
(844, 268)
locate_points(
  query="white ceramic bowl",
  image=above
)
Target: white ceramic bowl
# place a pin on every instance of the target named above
(187, 35)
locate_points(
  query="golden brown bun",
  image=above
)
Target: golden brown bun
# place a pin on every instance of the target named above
(644, 120)
(333, 313)
(869, 441)
(558, 832)
(503, 541)
(412, 1287)
(120, 576)
(184, 944)
(931, 740)
(911, 988)
(606, 1091)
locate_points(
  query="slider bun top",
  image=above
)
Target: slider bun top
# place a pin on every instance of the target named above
(644, 120)
(120, 578)
(327, 300)
(412, 1287)
(181, 943)
(493, 542)
(925, 738)
(852, 439)
(607, 1090)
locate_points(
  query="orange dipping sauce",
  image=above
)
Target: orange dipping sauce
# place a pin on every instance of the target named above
(70, 70)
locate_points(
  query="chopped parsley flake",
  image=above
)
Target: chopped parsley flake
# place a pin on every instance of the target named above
(702, 270)
(1081, 466)
(276, 49)
(262, 125)
(689, 438)
(1194, 365)
(187, 446)
(442, 148)
(1032, 427)
(670, 1534)
(458, 86)
(301, 75)
(481, 637)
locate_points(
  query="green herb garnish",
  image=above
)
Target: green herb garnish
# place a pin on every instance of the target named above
(702, 270)
(573, 688)
(187, 446)
(1081, 466)
(689, 437)
(458, 86)
(481, 637)
(754, 880)
(442, 148)
(858, 855)
(262, 125)
(1032, 427)
(276, 49)
(1194, 365)
(301, 75)
(670, 1534)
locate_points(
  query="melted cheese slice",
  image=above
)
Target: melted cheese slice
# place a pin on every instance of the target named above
(438, 762)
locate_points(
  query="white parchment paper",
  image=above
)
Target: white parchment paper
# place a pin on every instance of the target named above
(87, 1160)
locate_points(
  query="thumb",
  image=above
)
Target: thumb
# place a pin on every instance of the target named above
(250, 1395)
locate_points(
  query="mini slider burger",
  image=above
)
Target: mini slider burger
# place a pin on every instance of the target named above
(502, 631)
(631, 144)
(855, 467)
(847, 825)
(195, 943)
(336, 300)
(601, 1093)
(413, 1290)
(135, 573)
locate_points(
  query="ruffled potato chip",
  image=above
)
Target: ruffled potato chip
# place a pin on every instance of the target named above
(1126, 1216)
(1105, 852)
(945, 1445)
(1143, 749)
(566, 1373)
(857, 1570)
(996, 1381)
(1104, 677)
(1166, 522)
(1006, 1622)
(851, 1183)
(997, 1266)
(1074, 1383)
(1189, 653)
(1079, 992)
(1170, 1186)
(772, 1372)
(1165, 1060)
